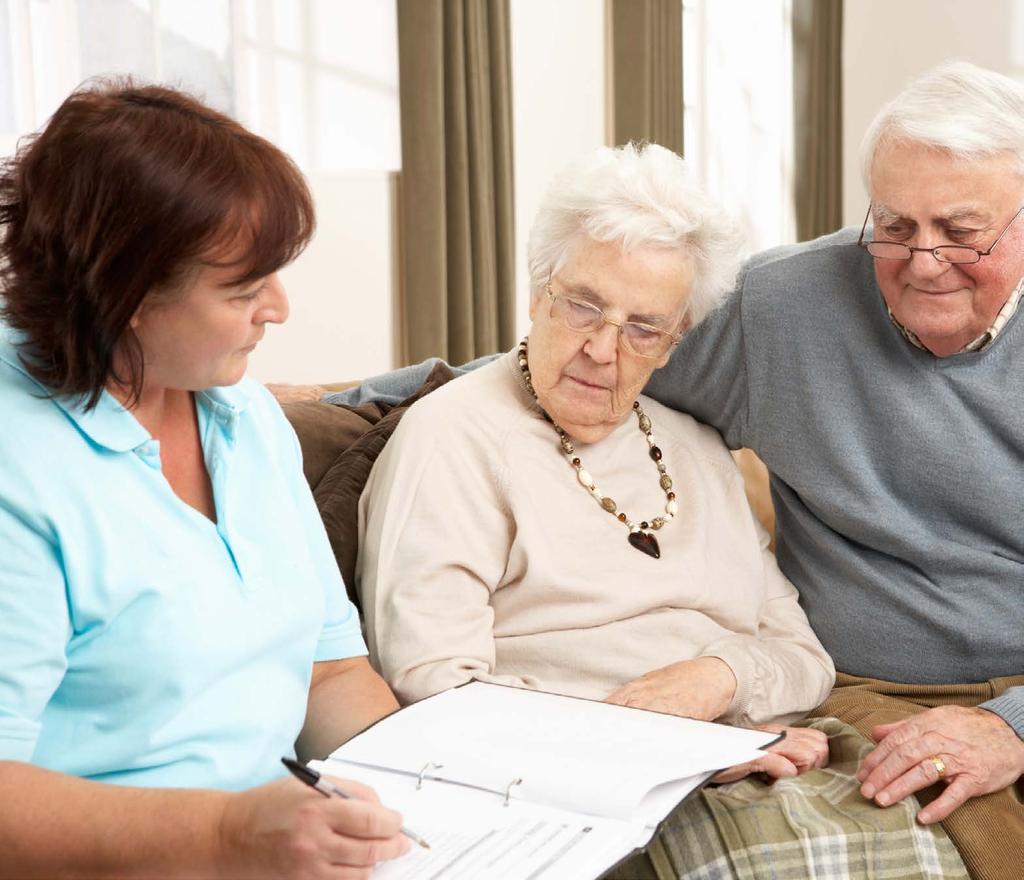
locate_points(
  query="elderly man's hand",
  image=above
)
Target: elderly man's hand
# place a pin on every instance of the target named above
(701, 688)
(980, 751)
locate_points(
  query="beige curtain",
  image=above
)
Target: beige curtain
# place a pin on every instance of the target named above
(455, 200)
(818, 115)
(645, 60)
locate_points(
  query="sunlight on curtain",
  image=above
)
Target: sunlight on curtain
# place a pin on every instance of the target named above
(738, 111)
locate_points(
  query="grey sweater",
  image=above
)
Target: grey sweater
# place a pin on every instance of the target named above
(897, 477)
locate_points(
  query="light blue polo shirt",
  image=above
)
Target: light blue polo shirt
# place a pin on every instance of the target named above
(140, 643)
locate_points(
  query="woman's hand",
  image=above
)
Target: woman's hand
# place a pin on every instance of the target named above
(701, 688)
(801, 749)
(286, 830)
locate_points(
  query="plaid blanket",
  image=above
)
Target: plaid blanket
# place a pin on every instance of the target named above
(815, 825)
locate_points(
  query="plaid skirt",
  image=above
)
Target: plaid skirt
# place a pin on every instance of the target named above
(816, 825)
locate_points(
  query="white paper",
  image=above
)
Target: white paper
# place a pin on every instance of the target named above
(580, 755)
(474, 836)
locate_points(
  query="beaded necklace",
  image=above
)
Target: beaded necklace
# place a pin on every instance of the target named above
(640, 535)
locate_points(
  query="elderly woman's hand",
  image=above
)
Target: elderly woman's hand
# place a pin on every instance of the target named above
(701, 688)
(801, 749)
(284, 829)
(974, 751)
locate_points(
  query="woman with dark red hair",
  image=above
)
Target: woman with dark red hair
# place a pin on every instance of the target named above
(171, 617)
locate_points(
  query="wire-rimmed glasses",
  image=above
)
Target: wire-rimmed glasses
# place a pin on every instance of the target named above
(643, 340)
(944, 253)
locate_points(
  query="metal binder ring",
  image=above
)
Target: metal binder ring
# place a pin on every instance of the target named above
(430, 765)
(508, 791)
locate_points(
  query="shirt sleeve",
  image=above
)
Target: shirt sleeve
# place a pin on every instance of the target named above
(707, 373)
(436, 535)
(781, 671)
(341, 636)
(34, 629)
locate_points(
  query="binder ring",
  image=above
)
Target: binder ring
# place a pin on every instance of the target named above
(508, 791)
(430, 765)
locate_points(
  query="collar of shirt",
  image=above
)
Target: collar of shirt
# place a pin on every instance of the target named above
(985, 339)
(113, 427)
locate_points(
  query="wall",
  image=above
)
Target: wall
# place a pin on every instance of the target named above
(341, 289)
(886, 44)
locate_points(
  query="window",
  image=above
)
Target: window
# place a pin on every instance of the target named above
(321, 81)
(738, 117)
(50, 46)
(317, 77)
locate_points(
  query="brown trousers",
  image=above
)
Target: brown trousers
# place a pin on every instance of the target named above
(989, 830)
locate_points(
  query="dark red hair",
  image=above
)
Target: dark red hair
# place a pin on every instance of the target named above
(124, 192)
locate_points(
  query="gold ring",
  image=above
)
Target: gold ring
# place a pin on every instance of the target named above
(939, 764)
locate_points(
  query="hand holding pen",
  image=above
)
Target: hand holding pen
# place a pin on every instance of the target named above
(329, 789)
(276, 831)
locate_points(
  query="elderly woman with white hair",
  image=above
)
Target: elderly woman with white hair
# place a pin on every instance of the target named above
(540, 523)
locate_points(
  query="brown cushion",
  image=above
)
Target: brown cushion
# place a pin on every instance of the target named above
(337, 493)
(326, 431)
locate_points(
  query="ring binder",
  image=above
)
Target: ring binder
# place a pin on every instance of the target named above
(494, 744)
(508, 790)
(430, 765)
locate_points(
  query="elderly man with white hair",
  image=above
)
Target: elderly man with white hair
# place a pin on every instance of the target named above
(878, 376)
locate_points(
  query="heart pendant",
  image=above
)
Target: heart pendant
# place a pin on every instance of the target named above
(645, 542)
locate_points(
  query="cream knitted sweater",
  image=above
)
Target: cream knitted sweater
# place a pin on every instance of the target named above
(483, 558)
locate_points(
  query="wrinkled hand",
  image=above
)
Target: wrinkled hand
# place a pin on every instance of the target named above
(701, 688)
(981, 752)
(286, 830)
(802, 749)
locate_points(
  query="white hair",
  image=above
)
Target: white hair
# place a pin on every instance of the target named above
(962, 109)
(639, 196)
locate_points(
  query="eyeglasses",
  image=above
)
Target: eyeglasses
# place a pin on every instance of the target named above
(944, 253)
(642, 340)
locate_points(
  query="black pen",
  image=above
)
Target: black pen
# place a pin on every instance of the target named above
(329, 789)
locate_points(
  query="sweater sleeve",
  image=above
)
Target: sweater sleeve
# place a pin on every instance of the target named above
(1010, 707)
(436, 534)
(782, 670)
(707, 374)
